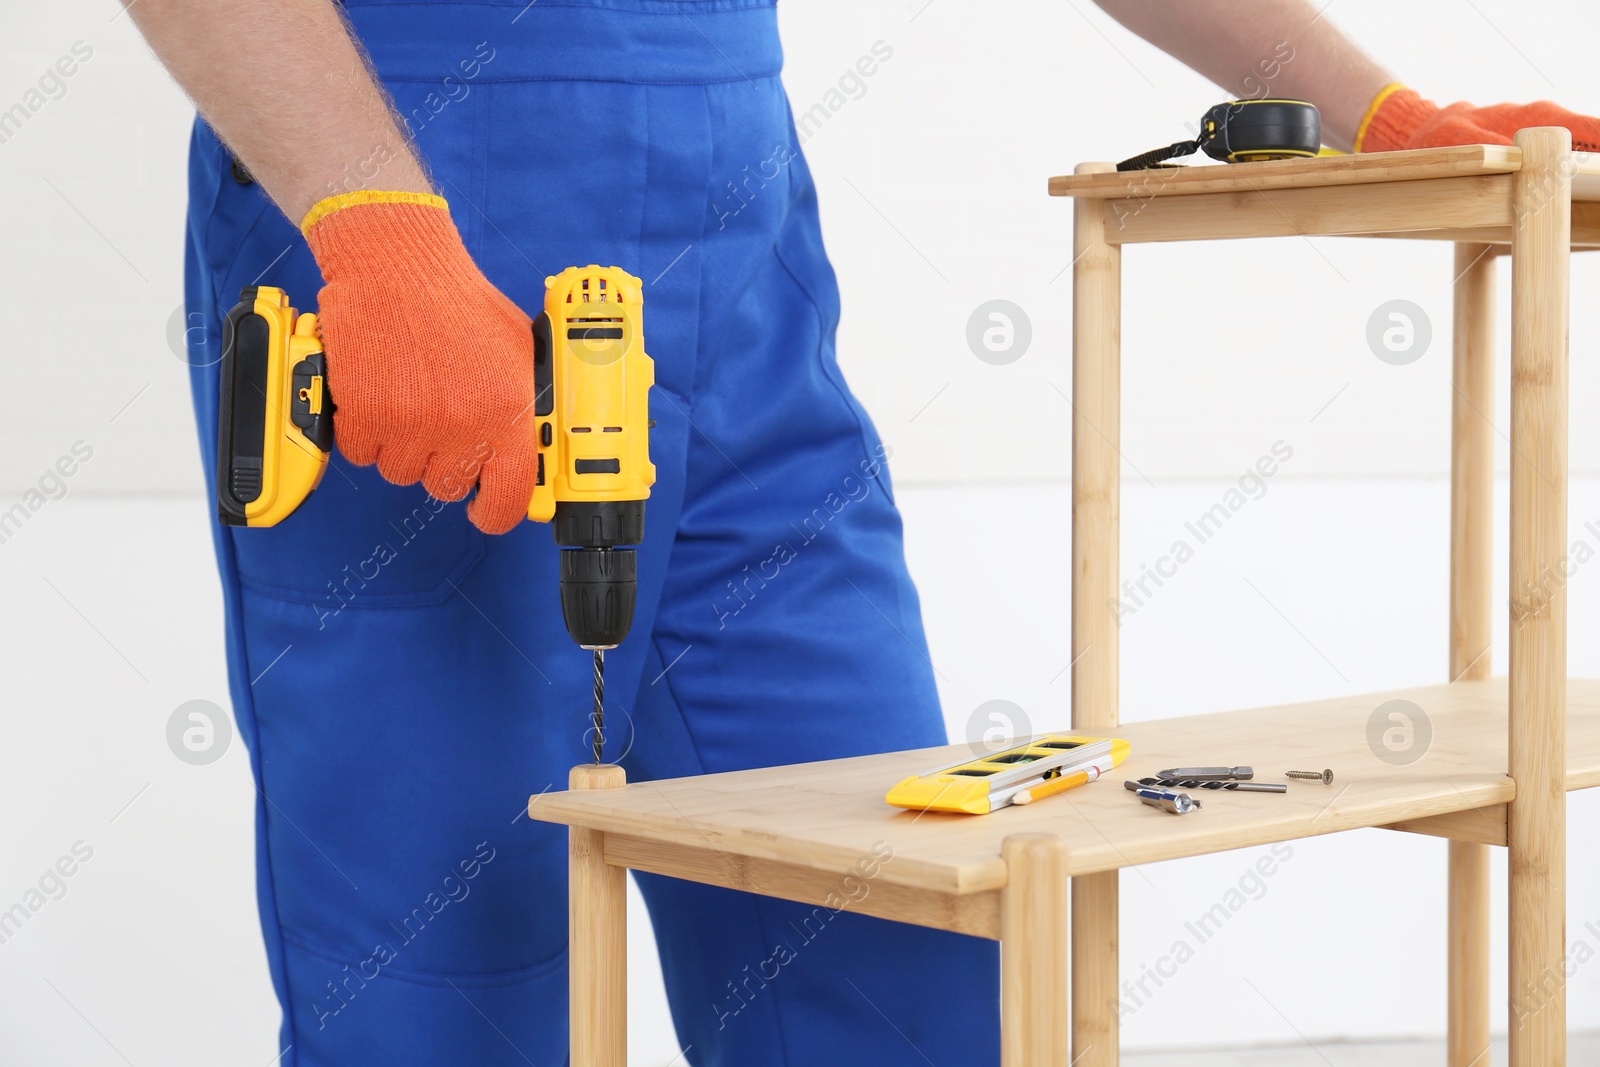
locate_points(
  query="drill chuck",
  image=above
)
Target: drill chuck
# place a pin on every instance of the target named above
(599, 571)
(598, 589)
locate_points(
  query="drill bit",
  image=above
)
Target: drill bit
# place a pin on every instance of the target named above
(1214, 783)
(1206, 774)
(599, 715)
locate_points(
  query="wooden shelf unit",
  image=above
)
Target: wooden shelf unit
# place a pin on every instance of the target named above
(1042, 879)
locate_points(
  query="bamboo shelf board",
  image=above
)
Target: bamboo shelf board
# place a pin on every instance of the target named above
(827, 816)
(1361, 169)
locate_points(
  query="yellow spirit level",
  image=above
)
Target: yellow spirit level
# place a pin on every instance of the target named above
(986, 784)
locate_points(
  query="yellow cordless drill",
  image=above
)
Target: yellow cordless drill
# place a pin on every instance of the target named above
(590, 423)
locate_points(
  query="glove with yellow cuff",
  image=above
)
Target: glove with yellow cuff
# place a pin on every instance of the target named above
(429, 363)
(1399, 118)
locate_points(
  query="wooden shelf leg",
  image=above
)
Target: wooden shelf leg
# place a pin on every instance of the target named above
(1033, 952)
(1094, 970)
(1471, 581)
(597, 917)
(1096, 505)
(1536, 820)
(1469, 955)
(1472, 464)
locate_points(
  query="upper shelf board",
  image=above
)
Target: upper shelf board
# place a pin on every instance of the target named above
(1358, 169)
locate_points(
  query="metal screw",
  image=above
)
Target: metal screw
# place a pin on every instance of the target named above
(1325, 777)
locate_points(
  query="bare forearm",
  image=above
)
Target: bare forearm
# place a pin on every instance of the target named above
(1241, 45)
(287, 89)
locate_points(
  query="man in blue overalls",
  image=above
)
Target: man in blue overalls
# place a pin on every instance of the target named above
(399, 670)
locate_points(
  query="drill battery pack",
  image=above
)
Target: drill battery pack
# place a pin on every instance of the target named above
(274, 417)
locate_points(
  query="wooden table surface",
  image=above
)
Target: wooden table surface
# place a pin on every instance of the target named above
(1210, 177)
(828, 816)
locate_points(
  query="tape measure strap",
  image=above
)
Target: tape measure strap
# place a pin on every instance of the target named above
(1156, 156)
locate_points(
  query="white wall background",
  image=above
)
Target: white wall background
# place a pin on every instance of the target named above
(932, 190)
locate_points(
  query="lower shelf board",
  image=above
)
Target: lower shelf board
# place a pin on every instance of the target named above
(1429, 759)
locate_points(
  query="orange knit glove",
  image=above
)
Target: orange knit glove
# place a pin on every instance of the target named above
(430, 365)
(1399, 118)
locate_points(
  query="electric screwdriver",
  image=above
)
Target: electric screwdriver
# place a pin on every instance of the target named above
(590, 423)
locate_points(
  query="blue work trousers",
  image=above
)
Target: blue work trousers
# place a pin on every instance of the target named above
(404, 682)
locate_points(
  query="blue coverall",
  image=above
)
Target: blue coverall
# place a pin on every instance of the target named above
(404, 682)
